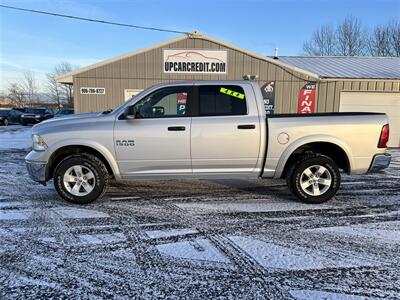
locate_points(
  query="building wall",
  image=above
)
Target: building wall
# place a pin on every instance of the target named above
(328, 91)
(145, 69)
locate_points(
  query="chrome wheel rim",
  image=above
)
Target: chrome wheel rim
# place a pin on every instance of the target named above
(315, 180)
(79, 180)
(5, 122)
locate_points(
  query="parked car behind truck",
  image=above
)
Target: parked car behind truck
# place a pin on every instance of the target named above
(4, 117)
(36, 115)
(206, 129)
(10, 116)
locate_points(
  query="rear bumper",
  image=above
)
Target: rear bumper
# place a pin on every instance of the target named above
(37, 171)
(380, 162)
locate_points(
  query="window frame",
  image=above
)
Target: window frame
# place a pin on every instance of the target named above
(189, 103)
(196, 107)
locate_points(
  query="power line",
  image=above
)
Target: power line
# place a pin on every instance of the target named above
(91, 20)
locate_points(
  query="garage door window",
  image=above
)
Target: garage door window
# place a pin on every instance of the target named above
(221, 100)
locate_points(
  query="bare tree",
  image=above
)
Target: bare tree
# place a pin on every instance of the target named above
(3, 98)
(351, 37)
(61, 93)
(67, 91)
(394, 32)
(29, 87)
(54, 89)
(16, 95)
(322, 43)
(379, 41)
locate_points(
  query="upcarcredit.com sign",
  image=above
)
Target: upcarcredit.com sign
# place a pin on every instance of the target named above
(195, 61)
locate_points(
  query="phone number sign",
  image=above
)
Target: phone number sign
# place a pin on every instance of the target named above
(93, 91)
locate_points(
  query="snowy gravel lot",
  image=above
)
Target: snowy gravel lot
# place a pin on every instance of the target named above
(217, 239)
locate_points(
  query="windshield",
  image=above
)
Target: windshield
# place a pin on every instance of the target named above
(35, 111)
(4, 112)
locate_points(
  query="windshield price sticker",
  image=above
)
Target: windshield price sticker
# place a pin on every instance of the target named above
(232, 93)
(93, 90)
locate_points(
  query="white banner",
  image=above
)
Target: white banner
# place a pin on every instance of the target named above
(195, 61)
(93, 90)
(129, 93)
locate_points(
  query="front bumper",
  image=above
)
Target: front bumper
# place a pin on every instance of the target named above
(37, 171)
(380, 162)
(31, 120)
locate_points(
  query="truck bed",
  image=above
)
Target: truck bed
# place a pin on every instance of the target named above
(357, 134)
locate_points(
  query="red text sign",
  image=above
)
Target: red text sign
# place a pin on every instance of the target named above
(307, 99)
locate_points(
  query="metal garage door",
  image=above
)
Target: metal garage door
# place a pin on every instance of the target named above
(388, 103)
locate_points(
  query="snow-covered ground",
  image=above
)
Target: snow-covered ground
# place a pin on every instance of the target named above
(222, 239)
(15, 137)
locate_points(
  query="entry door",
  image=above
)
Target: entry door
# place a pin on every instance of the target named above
(225, 132)
(386, 102)
(157, 140)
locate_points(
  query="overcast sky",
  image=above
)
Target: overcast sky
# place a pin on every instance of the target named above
(38, 42)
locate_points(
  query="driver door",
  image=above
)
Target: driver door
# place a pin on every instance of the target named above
(157, 140)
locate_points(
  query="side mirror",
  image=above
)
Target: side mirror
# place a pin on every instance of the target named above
(130, 113)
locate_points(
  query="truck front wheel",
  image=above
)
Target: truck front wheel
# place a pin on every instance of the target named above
(80, 178)
(314, 179)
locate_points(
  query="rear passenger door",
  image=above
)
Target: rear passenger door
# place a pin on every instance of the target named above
(225, 134)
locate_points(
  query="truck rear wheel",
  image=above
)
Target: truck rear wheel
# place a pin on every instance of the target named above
(314, 179)
(80, 178)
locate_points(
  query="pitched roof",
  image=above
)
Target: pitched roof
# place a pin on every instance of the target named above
(67, 78)
(347, 66)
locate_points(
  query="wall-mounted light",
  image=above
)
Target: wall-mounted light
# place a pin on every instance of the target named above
(250, 77)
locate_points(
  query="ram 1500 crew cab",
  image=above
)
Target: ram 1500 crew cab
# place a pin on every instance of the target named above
(205, 129)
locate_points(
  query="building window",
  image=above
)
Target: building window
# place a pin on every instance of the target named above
(129, 93)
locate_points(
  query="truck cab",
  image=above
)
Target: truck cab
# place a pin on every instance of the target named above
(191, 129)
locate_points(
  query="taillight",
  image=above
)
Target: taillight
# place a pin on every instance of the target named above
(384, 138)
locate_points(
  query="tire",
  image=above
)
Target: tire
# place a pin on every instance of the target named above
(6, 122)
(81, 178)
(312, 184)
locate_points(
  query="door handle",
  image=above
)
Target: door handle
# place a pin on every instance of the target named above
(247, 126)
(177, 128)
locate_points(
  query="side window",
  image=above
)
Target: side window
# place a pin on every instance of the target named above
(221, 100)
(164, 103)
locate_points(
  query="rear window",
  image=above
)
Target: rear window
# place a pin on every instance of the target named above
(4, 112)
(222, 100)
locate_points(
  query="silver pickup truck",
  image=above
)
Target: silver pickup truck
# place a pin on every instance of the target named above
(205, 129)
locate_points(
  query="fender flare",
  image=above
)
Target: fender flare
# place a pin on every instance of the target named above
(308, 140)
(109, 157)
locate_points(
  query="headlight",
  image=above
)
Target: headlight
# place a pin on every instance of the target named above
(38, 143)
(37, 116)
(22, 116)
